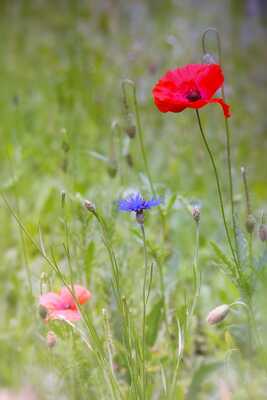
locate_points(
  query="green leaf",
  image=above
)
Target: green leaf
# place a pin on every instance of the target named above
(223, 257)
(153, 322)
(89, 257)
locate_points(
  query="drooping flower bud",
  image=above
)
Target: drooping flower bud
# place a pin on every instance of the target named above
(263, 232)
(112, 168)
(208, 59)
(129, 160)
(89, 206)
(130, 127)
(51, 339)
(63, 198)
(250, 223)
(43, 312)
(218, 314)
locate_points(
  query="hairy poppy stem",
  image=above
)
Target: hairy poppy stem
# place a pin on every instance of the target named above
(219, 191)
(228, 136)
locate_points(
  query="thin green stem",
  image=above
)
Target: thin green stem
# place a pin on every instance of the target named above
(196, 273)
(144, 311)
(219, 193)
(162, 292)
(228, 137)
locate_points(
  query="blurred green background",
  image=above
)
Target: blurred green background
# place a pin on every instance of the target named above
(61, 67)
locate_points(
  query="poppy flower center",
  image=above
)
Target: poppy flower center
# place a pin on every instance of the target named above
(193, 95)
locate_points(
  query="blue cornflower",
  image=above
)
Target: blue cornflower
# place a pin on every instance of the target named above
(136, 203)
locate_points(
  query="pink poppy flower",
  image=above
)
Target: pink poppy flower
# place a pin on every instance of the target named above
(62, 305)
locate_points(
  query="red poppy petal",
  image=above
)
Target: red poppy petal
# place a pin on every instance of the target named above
(225, 107)
(168, 105)
(209, 79)
(82, 294)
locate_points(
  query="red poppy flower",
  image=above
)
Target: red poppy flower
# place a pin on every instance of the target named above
(191, 86)
(62, 305)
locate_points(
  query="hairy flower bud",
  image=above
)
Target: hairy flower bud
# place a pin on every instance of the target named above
(208, 59)
(112, 168)
(218, 314)
(51, 339)
(43, 312)
(196, 213)
(250, 223)
(263, 232)
(140, 217)
(89, 206)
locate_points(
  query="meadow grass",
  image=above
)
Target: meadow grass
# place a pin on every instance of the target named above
(64, 118)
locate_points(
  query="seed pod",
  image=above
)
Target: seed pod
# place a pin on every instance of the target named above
(250, 223)
(218, 314)
(51, 339)
(89, 205)
(263, 232)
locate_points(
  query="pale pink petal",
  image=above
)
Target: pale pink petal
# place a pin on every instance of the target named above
(50, 300)
(69, 315)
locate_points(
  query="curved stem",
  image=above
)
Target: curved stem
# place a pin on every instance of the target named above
(219, 192)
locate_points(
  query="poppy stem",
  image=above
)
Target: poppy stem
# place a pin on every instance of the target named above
(219, 192)
(228, 136)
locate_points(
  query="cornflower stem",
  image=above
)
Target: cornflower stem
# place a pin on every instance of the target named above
(228, 137)
(237, 272)
(142, 147)
(145, 298)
